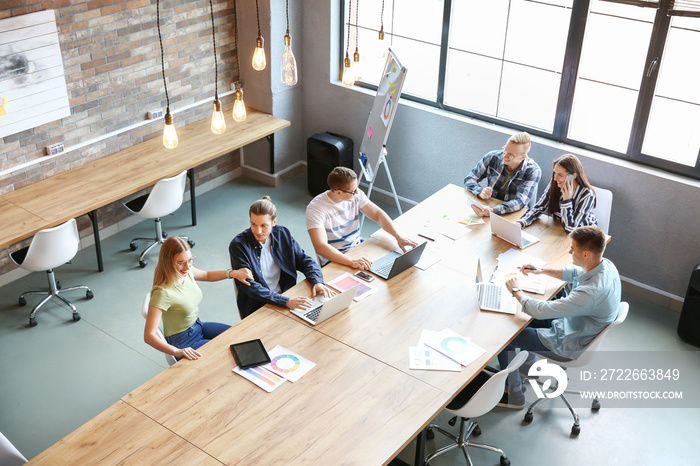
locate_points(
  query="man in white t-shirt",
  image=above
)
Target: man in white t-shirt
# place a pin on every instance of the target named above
(333, 220)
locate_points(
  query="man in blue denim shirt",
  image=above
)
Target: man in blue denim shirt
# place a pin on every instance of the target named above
(273, 256)
(564, 327)
(511, 176)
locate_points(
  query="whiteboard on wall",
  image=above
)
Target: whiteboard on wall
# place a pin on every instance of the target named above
(32, 79)
(382, 114)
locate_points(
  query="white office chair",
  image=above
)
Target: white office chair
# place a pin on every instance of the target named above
(603, 207)
(9, 455)
(164, 199)
(583, 360)
(482, 395)
(169, 358)
(49, 249)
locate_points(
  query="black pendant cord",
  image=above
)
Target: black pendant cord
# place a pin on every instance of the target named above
(162, 55)
(216, 65)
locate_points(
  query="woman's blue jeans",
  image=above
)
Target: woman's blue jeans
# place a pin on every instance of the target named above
(197, 335)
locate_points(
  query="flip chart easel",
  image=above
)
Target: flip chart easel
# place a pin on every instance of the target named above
(373, 151)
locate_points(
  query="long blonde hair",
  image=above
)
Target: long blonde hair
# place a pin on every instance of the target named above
(166, 273)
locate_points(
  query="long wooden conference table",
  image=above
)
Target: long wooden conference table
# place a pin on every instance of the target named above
(83, 190)
(360, 404)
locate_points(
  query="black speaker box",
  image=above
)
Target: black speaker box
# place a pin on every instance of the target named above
(689, 322)
(324, 152)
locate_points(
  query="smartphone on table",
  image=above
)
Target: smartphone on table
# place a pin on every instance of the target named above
(364, 276)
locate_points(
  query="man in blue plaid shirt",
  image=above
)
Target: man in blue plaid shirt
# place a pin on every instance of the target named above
(511, 176)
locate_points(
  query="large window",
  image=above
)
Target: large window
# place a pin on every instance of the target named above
(615, 76)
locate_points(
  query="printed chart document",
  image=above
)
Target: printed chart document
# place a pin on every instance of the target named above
(509, 264)
(261, 377)
(448, 226)
(425, 358)
(455, 346)
(288, 364)
(347, 280)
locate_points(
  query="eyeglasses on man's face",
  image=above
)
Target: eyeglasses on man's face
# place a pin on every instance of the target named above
(352, 193)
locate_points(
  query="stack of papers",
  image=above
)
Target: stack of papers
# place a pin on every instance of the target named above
(509, 264)
(284, 365)
(448, 226)
(443, 351)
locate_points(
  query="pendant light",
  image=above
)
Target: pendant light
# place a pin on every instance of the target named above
(356, 55)
(348, 72)
(259, 61)
(381, 51)
(239, 113)
(218, 122)
(289, 63)
(169, 134)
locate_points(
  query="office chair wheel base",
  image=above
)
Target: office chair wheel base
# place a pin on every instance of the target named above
(32, 322)
(191, 243)
(505, 461)
(477, 431)
(76, 317)
(89, 294)
(143, 264)
(528, 417)
(22, 301)
(133, 246)
(575, 430)
(595, 406)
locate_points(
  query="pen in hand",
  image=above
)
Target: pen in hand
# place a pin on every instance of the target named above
(534, 269)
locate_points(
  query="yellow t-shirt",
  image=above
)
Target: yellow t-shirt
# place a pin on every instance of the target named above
(180, 304)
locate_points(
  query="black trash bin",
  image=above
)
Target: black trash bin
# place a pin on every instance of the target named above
(689, 323)
(324, 152)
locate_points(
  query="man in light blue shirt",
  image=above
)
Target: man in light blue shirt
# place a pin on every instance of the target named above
(564, 327)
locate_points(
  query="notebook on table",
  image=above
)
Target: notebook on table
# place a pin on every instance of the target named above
(323, 308)
(511, 232)
(392, 264)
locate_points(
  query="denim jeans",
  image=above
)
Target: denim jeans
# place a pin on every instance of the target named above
(197, 335)
(529, 341)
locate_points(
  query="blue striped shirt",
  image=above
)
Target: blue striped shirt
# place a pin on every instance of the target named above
(573, 213)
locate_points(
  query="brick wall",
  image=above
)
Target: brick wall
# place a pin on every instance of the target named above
(112, 62)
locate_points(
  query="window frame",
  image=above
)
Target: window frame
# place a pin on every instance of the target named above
(572, 55)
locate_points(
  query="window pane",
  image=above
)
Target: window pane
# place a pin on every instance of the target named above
(371, 59)
(672, 130)
(418, 19)
(529, 96)
(479, 27)
(537, 34)
(602, 115)
(472, 82)
(422, 61)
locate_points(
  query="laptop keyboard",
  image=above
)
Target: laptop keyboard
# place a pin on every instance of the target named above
(313, 313)
(526, 242)
(385, 269)
(490, 297)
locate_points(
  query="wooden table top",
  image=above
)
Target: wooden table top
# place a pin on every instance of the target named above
(113, 177)
(17, 223)
(348, 400)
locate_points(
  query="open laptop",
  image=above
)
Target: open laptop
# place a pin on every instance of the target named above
(323, 308)
(493, 297)
(392, 264)
(511, 232)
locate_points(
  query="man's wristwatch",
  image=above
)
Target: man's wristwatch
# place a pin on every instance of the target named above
(514, 290)
(228, 273)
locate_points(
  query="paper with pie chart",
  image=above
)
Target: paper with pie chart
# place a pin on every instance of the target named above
(455, 346)
(288, 364)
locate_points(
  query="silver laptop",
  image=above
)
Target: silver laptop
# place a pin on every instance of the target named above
(511, 232)
(323, 308)
(493, 297)
(392, 264)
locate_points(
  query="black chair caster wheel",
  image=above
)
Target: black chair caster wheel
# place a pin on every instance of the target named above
(528, 417)
(32, 322)
(89, 294)
(191, 243)
(165, 234)
(430, 435)
(575, 430)
(22, 301)
(452, 421)
(58, 285)
(143, 264)
(76, 317)
(505, 461)
(595, 406)
(133, 246)
(477, 431)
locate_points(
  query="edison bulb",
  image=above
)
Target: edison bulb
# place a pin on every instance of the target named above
(348, 73)
(259, 61)
(169, 134)
(218, 122)
(356, 65)
(239, 113)
(289, 63)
